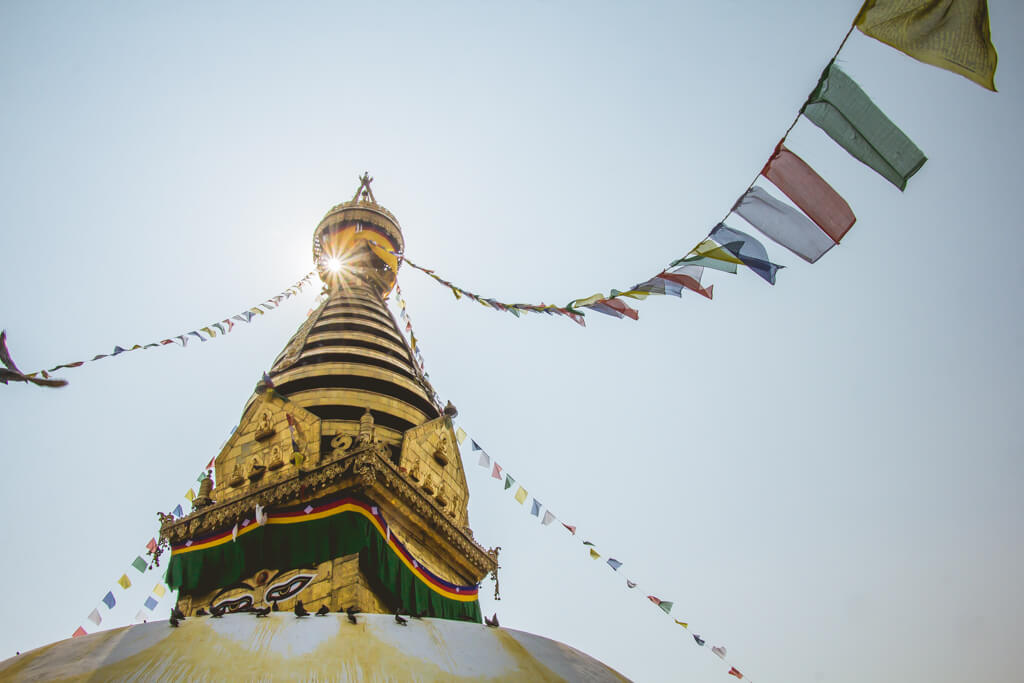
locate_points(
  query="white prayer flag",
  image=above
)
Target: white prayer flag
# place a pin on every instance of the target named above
(784, 224)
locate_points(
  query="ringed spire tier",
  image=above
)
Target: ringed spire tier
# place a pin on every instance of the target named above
(342, 484)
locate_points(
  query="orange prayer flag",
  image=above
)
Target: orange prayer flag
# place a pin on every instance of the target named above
(809, 192)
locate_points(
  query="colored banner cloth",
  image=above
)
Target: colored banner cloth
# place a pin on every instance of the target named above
(548, 518)
(950, 34)
(720, 651)
(190, 495)
(79, 632)
(159, 590)
(521, 495)
(496, 472)
(735, 672)
(748, 250)
(177, 511)
(594, 554)
(485, 460)
(665, 605)
(784, 224)
(509, 481)
(109, 600)
(614, 564)
(682, 623)
(140, 616)
(847, 115)
(689, 277)
(140, 564)
(124, 582)
(460, 435)
(698, 640)
(94, 617)
(570, 527)
(475, 446)
(150, 603)
(810, 192)
(630, 584)
(535, 509)
(151, 545)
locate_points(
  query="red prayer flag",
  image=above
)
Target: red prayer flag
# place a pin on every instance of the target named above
(209, 465)
(496, 472)
(151, 546)
(735, 672)
(656, 601)
(79, 632)
(621, 307)
(809, 192)
(687, 281)
(570, 527)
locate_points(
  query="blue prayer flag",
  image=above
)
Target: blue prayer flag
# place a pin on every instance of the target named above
(150, 603)
(177, 512)
(109, 600)
(536, 508)
(747, 249)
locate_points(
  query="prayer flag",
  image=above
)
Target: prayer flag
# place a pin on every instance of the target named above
(140, 564)
(665, 605)
(720, 651)
(79, 632)
(199, 479)
(201, 337)
(150, 603)
(124, 582)
(159, 590)
(460, 435)
(208, 331)
(475, 445)
(810, 192)
(594, 554)
(748, 250)
(485, 460)
(689, 277)
(630, 584)
(535, 510)
(509, 481)
(681, 623)
(784, 224)
(177, 511)
(109, 600)
(618, 306)
(94, 617)
(698, 639)
(190, 495)
(151, 546)
(117, 350)
(140, 616)
(950, 34)
(590, 300)
(614, 564)
(588, 543)
(847, 115)
(548, 518)
(209, 465)
(496, 472)
(735, 672)
(520, 495)
(570, 527)
(657, 285)
(234, 533)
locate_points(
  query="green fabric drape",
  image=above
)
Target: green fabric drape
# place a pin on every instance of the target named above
(290, 546)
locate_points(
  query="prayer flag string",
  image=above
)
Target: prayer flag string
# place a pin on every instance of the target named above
(522, 494)
(11, 373)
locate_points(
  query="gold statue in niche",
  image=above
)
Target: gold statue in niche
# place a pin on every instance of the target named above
(264, 426)
(276, 461)
(256, 469)
(236, 475)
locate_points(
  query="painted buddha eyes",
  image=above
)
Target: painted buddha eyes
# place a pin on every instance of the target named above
(286, 589)
(235, 604)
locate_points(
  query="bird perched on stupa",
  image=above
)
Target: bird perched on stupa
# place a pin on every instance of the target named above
(300, 611)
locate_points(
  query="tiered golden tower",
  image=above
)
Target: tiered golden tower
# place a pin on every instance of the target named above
(342, 485)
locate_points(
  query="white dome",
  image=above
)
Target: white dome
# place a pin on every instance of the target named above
(285, 648)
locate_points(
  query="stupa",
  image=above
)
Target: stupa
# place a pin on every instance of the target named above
(342, 490)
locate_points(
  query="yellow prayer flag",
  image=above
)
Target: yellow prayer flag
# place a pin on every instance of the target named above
(159, 590)
(124, 582)
(208, 331)
(710, 249)
(190, 496)
(460, 435)
(521, 495)
(681, 623)
(638, 294)
(298, 458)
(592, 299)
(950, 34)
(594, 554)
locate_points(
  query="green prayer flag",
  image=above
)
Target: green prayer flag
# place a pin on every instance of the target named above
(508, 482)
(140, 564)
(840, 108)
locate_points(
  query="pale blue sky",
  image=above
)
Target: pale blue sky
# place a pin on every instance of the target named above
(823, 475)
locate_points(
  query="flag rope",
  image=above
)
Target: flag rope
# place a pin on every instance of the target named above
(520, 496)
(42, 377)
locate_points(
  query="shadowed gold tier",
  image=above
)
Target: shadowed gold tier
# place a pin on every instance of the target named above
(284, 648)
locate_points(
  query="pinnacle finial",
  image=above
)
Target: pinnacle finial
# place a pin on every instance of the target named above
(364, 190)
